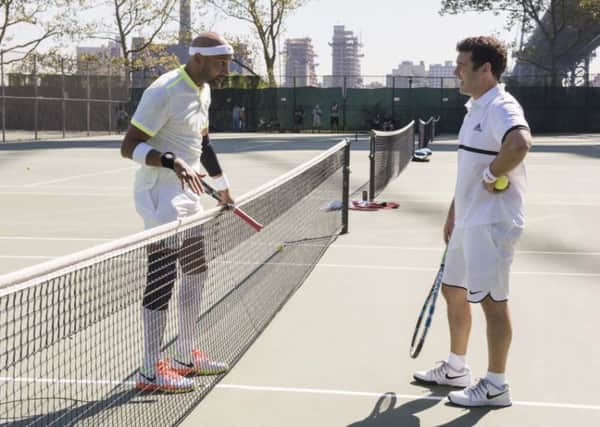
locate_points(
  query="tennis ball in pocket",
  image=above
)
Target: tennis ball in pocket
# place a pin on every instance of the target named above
(501, 183)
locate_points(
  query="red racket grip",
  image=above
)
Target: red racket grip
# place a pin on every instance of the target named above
(240, 213)
(251, 221)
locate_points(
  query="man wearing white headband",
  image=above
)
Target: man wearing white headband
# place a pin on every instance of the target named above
(169, 138)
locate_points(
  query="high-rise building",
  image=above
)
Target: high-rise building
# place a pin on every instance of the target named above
(346, 55)
(595, 81)
(439, 73)
(300, 63)
(407, 75)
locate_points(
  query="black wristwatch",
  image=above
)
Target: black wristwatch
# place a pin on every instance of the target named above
(167, 160)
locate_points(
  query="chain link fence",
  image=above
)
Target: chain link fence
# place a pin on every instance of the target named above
(45, 105)
(95, 99)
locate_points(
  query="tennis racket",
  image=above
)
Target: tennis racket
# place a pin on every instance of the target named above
(429, 308)
(243, 215)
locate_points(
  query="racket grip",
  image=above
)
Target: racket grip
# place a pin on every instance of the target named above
(240, 213)
(251, 221)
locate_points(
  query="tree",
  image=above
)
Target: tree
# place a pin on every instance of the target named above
(592, 6)
(133, 17)
(34, 22)
(267, 18)
(560, 26)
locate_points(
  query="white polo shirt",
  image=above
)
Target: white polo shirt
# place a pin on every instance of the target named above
(174, 112)
(489, 119)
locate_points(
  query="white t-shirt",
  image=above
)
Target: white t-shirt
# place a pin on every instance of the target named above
(174, 112)
(489, 119)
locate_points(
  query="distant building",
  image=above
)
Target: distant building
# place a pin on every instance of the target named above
(407, 75)
(442, 73)
(595, 81)
(95, 60)
(346, 55)
(300, 63)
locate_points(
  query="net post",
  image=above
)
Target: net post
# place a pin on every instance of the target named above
(346, 187)
(372, 167)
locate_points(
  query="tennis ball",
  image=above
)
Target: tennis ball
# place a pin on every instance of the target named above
(279, 248)
(501, 183)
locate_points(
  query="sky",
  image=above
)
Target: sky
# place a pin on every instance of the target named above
(391, 31)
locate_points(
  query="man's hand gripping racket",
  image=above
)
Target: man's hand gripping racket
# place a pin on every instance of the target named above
(429, 308)
(239, 212)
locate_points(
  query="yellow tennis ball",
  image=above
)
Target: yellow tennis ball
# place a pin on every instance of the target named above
(501, 183)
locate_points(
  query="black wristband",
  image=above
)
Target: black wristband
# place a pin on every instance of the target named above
(167, 160)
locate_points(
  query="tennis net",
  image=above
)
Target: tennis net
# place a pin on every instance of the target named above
(390, 153)
(71, 334)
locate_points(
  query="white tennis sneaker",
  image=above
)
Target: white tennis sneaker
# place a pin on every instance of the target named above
(482, 393)
(444, 374)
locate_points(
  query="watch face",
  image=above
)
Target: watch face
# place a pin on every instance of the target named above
(169, 156)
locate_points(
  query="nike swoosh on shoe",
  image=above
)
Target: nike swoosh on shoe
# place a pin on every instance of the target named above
(493, 396)
(448, 377)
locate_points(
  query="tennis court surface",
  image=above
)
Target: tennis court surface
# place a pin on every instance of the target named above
(336, 354)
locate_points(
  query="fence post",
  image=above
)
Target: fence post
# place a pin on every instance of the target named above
(3, 96)
(393, 96)
(88, 106)
(344, 106)
(109, 103)
(296, 127)
(63, 104)
(36, 100)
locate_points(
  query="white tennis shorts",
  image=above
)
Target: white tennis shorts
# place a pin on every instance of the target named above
(479, 260)
(166, 201)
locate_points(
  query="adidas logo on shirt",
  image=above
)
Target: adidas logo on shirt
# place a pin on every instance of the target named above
(478, 128)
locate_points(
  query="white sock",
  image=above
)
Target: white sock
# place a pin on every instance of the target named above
(497, 379)
(188, 309)
(155, 322)
(457, 362)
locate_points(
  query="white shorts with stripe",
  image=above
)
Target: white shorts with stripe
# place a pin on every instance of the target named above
(479, 260)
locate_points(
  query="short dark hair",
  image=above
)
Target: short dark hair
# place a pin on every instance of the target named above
(485, 49)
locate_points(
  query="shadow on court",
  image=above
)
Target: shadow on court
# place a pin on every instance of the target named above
(74, 411)
(386, 414)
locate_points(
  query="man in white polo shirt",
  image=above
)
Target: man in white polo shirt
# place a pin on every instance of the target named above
(169, 138)
(483, 223)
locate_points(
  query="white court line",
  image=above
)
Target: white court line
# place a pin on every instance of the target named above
(440, 249)
(528, 203)
(402, 268)
(358, 267)
(328, 392)
(55, 193)
(400, 396)
(57, 239)
(72, 177)
(26, 257)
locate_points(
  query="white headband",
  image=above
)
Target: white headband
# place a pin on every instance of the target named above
(223, 49)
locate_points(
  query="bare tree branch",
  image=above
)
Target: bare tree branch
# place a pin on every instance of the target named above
(266, 18)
